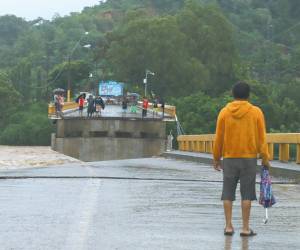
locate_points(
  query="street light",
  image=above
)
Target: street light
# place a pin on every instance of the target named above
(93, 74)
(69, 63)
(148, 72)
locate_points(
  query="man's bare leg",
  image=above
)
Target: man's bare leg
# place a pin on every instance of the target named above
(228, 215)
(246, 208)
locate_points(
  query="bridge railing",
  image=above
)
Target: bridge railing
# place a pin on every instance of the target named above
(169, 109)
(66, 106)
(204, 144)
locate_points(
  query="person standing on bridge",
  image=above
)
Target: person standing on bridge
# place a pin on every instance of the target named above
(91, 106)
(57, 105)
(145, 106)
(124, 105)
(61, 102)
(162, 105)
(155, 107)
(99, 105)
(240, 137)
(81, 99)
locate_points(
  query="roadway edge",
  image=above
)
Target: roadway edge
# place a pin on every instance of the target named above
(281, 170)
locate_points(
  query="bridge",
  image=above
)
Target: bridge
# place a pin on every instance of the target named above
(114, 134)
(171, 201)
(70, 109)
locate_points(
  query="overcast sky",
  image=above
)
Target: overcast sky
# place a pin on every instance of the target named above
(31, 9)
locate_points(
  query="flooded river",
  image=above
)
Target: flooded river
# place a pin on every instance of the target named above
(20, 157)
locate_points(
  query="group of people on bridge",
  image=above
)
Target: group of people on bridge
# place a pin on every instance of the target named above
(94, 105)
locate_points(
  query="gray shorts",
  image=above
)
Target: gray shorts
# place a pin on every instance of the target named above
(239, 169)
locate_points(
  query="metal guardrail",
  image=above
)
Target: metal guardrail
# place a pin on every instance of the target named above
(204, 144)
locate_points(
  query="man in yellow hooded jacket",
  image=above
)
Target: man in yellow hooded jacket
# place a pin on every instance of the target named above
(240, 138)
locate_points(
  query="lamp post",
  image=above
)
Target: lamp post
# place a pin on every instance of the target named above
(69, 63)
(93, 74)
(148, 72)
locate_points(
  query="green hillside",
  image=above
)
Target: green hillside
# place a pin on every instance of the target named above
(198, 50)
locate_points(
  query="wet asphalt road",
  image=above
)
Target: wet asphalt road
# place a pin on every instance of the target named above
(134, 204)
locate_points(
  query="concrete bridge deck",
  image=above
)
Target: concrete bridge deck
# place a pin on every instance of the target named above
(153, 203)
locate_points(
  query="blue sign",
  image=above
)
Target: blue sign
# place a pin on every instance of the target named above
(111, 88)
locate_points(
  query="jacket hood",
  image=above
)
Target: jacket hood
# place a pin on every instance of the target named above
(239, 108)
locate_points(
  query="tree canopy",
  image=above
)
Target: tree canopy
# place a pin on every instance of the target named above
(197, 48)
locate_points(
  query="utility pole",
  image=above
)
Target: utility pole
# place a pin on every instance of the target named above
(69, 80)
(69, 64)
(148, 72)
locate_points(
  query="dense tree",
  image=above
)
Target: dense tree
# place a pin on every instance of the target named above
(29, 127)
(11, 28)
(194, 49)
(197, 113)
(210, 41)
(78, 70)
(197, 49)
(10, 99)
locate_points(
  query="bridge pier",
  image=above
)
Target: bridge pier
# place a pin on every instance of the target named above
(99, 139)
